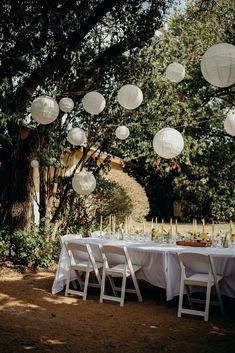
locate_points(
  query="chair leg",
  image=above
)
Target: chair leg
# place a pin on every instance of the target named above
(207, 305)
(102, 287)
(111, 281)
(123, 289)
(137, 288)
(86, 285)
(189, 296)
(181, 297)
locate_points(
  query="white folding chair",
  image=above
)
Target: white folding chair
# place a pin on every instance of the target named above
(198, 270)
(123, 269)
(80, 265)
(62, 239)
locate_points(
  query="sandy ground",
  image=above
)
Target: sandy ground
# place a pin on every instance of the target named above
(34, 320)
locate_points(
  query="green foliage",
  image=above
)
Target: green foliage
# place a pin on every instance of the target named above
(32, 249)
(201, 179)
(82, 213)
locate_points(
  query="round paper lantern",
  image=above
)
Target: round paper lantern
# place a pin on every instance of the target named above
(76, 136)
(34, 163)
(175, 72)
(93, 102)
(84, 182)
(130, 96)
(168, 143)
(122, 132)
(218, 65)
(229, 123)
(44, 110)
(66, 105)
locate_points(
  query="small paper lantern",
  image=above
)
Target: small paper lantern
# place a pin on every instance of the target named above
(130, 96)
(84, 182)
(93, 102)
(175, 72)
(122, 132)
(76, 136)
(34, 163)
(66, 105)
(229, 123)
(44, 110)
(168, 143)
(218, 65)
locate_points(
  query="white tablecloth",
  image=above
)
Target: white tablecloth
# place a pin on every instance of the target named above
(159, 262)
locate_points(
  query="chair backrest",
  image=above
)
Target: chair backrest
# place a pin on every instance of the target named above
(121, 252)
(199, 263)
(73, 248)
(62, 238)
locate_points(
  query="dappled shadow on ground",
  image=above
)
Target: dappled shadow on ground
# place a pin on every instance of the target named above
(34, 320)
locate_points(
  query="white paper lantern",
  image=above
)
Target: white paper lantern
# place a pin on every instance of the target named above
(34, 163)
(122, 132)
(76, 136)
(84, 182)
(44, 110)
(218, 65)
(168, 143)
(66, 105)
(130, 96)
(93, 102)
(229, 123)
(175, 72)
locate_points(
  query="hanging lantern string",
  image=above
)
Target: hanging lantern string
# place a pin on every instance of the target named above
(160, 120)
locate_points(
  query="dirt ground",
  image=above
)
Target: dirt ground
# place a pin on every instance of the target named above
(34, 320)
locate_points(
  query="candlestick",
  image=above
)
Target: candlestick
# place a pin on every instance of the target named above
(193, 227)
(171, 226)
(126, 225)
(195, 223)
(231, 227)
(212, 230)
(203, 225)
(101, 223)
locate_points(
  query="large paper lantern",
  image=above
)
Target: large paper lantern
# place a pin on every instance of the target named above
(44, 110)
(76, 136)
(122, 132)
(93, 102)
(229, 123)
(168, 143)
(66, 105)
(34, 163)
(218, 65)
(84, 182)
(130, 96)
(175, 72)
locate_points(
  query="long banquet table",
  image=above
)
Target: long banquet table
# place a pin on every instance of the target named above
(160, 266)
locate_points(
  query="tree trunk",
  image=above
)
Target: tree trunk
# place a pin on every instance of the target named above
(16, 193)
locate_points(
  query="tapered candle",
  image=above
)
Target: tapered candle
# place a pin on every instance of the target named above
(126, 231)
(171, 226)
(152, 224)
(212, 230)
(193, 227)
(203, 225)
(162, 224)
(156, 221)
(176, 226)
(231, 227)
(101, 223)
(195, 223)
(110, 223)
